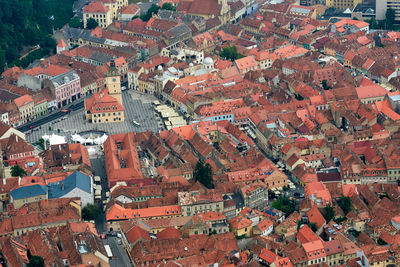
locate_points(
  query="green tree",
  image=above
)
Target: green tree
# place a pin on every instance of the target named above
(345, 204)
(203, 174)
(25, 24)
(16, 170)
(152, 10)
(75, 23)
(36, 261)
(390, 18)
(285, 204)
(313, 226)
(325, 84)
(168, 6)
(91, 24)
(90, 212)
(329, 213)
(230, 53)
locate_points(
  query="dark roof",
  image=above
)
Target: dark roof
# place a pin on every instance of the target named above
(28, 191)
(329, 177)
(75, 180)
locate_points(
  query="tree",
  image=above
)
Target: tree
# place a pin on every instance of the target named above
(152, 10)
(16, 170)
(345, 204)
(91, 24)
(36, 261)
(25, 23)
(325, 84)
(230, 53)
(90, 212)
(285, 204)
(168, 6)
(203, 174)
(390, 18)
(329, 213)
(41, 143)
(75, 23)
(313, 226)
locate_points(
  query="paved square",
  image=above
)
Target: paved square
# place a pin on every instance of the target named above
(138, 107)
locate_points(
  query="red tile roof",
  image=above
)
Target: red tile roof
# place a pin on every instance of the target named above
(136, 234)
(169, 233)
(23, 100)
(315, 216)
(95, 7)
(240, 222)
(305, 235)
(117, 212)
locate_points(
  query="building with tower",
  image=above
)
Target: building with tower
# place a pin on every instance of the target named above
(106, 106)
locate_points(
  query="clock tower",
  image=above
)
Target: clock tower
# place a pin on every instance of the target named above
(113, 82)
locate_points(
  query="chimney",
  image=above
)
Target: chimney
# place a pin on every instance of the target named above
(16, 138)
(62, 186)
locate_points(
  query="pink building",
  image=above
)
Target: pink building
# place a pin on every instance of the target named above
(67, 88)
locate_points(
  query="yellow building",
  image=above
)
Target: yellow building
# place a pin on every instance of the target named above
(28, 194)
(343, 4)
(241, 226)
(26, 107)
(106, 105)
(103, 12)
(99, 12)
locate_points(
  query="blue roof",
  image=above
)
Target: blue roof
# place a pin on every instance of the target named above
(75, 180)
(29, 191)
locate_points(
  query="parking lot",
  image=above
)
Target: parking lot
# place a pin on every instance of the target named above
(138, 109)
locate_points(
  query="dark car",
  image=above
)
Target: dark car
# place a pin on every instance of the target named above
(296, 194)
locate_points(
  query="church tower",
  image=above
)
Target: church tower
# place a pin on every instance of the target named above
(113, 82)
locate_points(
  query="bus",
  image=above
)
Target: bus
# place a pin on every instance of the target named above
(108, 251)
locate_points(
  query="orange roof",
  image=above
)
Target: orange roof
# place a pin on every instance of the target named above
(359, 23)
(95, 7)
(169, 233)
(61, 44)
(118, 212)
(385, 107)
(49, 70)
(268, 256)
(209, 216)
(371, 91)
(186, 132)
(265, 224)
(246, 63)
(306, 235)
(131, 9)
(101, 102)
(23, 100)
(137, 233)
(240, 222)
(315, 216)
(290, 51)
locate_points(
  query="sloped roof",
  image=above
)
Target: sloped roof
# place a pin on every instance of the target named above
(75, 180)
(28, 191)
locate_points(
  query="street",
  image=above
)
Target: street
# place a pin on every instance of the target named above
(120, 255)
(99, 169)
